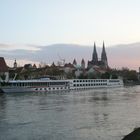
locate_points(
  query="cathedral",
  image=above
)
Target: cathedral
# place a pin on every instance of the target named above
(102, 63)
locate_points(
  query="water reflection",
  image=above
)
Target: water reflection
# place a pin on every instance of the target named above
(2, 101)
(2, 106)
(100, 114)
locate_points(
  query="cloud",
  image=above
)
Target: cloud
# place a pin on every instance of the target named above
(11, 47)
(124, 55)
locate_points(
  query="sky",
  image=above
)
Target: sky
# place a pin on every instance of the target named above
(32, 24)
(45, 22)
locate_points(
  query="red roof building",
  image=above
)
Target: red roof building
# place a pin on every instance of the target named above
(3, 66)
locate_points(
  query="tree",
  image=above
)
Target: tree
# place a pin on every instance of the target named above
(105, 75)
(82, 76)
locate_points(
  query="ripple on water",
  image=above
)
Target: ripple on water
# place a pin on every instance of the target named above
(100, 114)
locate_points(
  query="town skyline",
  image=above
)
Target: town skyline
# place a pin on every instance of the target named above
(32, 26)
(123, 55)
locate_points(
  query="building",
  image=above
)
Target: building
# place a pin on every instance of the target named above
(4, 73)
(15, 64)
(102, 63)
(83, 64)
(74, 62)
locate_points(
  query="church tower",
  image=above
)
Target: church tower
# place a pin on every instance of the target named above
(83, 64)
(15, 64)
(74, 62)
(94, 55)
(104, 56)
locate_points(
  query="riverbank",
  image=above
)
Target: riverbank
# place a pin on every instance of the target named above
(131, 83)
(135, 135)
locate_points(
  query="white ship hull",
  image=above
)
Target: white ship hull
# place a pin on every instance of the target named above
(76, 84)
(31, 89)
(25, 86)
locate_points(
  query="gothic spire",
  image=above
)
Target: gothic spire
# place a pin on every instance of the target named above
(103, 55)
(74, 62)
(94, 55)
(83, 64)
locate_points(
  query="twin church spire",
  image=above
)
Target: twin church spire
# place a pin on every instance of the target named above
(96, 61)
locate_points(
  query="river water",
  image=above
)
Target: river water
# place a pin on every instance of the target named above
(100, 114)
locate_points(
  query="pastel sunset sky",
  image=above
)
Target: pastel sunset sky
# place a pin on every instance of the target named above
(46, 22)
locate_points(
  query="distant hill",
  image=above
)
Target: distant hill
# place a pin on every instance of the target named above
(123, 55)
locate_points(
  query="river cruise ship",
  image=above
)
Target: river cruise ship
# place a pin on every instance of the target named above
(39, 85)
(47, 85)
(94, 83)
